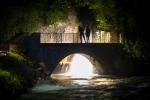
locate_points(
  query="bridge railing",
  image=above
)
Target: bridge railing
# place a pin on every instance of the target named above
(59, 38)
(102, 37)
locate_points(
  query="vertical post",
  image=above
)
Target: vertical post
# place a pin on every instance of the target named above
(73, 37)
(61, 37)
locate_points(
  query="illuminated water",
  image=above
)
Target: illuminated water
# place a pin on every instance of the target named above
(98, 88)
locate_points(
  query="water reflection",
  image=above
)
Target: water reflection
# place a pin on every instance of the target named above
(98, 88)
(80, 82)
(94, 81)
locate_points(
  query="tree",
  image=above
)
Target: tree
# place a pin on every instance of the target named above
(28, 15)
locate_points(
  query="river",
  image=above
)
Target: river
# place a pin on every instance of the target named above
(98, 88)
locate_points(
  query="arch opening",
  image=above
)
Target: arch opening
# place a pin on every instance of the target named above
(76, 66)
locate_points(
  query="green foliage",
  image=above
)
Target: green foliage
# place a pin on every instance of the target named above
(137, 50)
(79, 3)
(102, 23)
(29, 16)
(105, 13)
(132, 48)
(16, 74)
(17, 64)
(16, 57)
(11, 82)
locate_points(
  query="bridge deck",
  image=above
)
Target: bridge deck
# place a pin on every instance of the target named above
(83, 44)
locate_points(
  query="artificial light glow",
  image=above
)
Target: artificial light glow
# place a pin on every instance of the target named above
(80, 67)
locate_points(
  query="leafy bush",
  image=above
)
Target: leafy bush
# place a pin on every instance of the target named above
(10, 84)
(16, 74)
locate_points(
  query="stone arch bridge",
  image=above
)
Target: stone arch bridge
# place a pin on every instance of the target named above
(49, 54)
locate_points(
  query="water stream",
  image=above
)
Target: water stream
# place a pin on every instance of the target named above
(98, 88)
